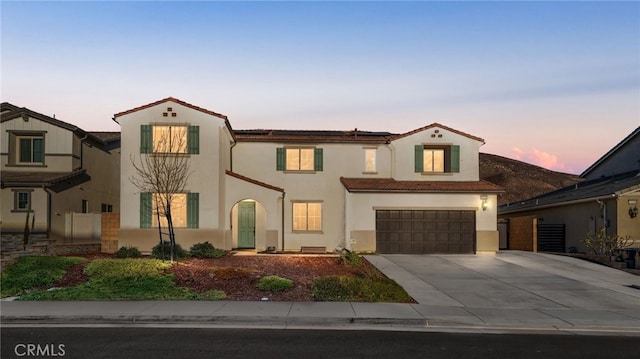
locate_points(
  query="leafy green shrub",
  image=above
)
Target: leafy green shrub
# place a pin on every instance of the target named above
(29, 272)
(206, 250)
(358, 289)
(156, 252)
(128, 252)
(352, 259)
(274, 283)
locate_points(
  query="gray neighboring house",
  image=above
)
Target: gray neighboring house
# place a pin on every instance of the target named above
(608, 198)
(60, 174)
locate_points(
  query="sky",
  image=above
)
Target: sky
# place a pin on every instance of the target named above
(556, 84)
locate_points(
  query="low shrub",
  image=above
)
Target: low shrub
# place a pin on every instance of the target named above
(128, 252)
(113, 269)
(602, 244)
(206, 250)
(34, 271)
(164, 251)
(358, 289)
(274, 283)
(212, 295)
(351, 258)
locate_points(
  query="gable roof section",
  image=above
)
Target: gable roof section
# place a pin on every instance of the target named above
(600, 188)
(434, 125)
(185, 104)
(253, 181)
(381, 185)
(602, 159)
(13, 112)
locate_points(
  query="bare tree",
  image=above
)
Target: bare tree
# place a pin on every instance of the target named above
(164, 173)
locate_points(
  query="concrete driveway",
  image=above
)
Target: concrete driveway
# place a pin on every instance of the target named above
(512, 280)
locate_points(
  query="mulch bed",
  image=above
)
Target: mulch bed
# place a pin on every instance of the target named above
(237, 275)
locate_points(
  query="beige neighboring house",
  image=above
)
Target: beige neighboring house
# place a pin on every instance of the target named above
(417, 192)
(608, 198)
(62, 174)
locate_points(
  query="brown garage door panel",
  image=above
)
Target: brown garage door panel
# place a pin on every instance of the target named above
(417, 231)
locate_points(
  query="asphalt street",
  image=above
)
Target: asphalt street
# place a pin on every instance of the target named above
(175, 343)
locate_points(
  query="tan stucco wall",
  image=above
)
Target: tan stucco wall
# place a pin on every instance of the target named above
(627, 226)
(146, 239)
(487, 241)
(363, 241)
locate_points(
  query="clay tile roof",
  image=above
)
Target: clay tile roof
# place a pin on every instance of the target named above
(391, 185)
(435, 124)
(256, 182)
(170, 99)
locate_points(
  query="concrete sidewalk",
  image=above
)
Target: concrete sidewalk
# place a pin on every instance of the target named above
(356, 316)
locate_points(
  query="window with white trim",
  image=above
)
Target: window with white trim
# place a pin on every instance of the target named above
(21, 201)
(30, 149)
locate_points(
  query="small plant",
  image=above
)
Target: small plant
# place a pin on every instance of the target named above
(358, 289)
(206, 250)
(350, 258)
(164, 251)
(274, 283)
(602, 244)
(212, 295)
(128, 252)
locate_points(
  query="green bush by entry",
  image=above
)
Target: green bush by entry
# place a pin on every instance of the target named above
(128, 252)
(206, 250)
(274, 283)
(351, 258)
(179, 253)
(358, 289)
(34, 271)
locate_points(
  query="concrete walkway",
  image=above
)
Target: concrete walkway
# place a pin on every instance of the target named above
(503, 293)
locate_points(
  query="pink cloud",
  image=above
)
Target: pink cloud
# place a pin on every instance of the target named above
(539, 158)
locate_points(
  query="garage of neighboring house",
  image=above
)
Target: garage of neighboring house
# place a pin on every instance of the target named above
(425, 231)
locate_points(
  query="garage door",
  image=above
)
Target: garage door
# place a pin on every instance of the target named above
(417, 231)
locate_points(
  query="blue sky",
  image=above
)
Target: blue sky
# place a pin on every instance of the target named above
(551, 83)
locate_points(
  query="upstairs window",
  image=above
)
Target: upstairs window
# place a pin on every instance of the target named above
(437, 159)
(370, 160)
(302, 159)
(30, 149)
(178, 139)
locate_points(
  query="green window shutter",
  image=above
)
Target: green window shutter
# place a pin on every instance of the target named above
(419, 158)
(193, 140)
(145, 139)
(145, 210)
(193, 210)
(280, 159)
(317, 160)
(38, 150)
(455, 159)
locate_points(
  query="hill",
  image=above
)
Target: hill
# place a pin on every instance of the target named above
(521, 180)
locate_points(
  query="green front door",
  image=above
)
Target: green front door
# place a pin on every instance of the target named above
(246, 225)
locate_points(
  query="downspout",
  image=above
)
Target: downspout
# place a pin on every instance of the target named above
(393, 159)
(82, 150)
(233, 144)
(48, 210)
(282, 209)
(603, 210)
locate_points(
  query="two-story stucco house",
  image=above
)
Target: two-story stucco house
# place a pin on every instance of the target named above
(416, 192)
(52, 170)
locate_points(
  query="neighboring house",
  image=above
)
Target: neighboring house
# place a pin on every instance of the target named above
(54, 170)
(417, 192)
(608, 198)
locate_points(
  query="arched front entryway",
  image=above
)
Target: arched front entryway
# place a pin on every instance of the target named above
(248, 224)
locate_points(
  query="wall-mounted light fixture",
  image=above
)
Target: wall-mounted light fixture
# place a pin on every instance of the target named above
(633, 212)
(485, 203)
